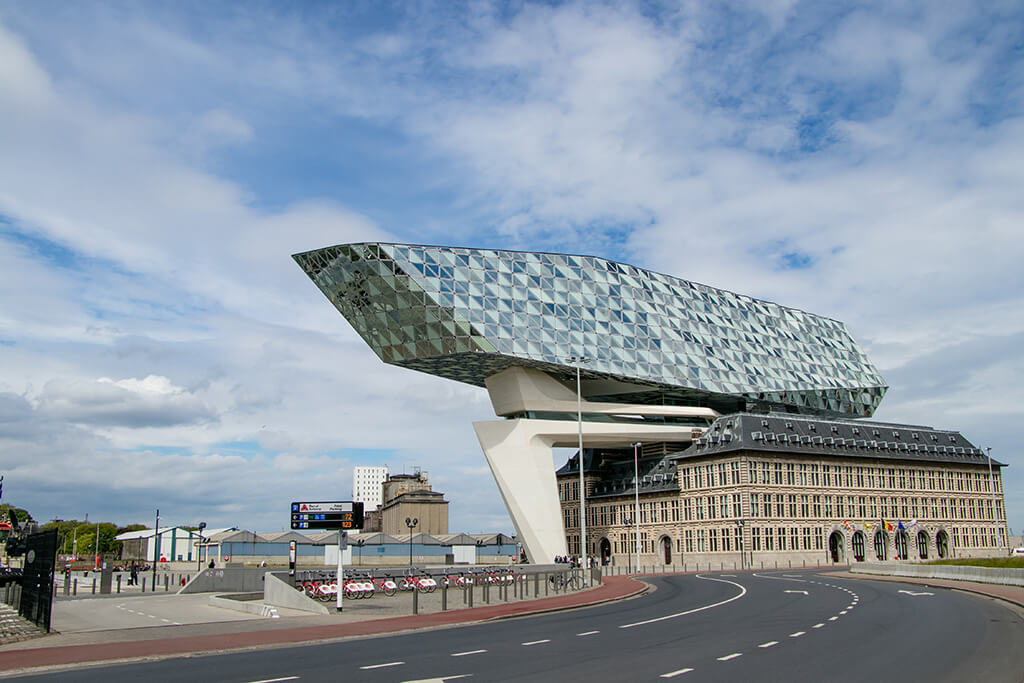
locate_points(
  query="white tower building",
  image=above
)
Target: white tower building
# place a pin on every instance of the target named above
(366, 486)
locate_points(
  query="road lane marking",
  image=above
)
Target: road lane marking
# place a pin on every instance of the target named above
(276, 680)
(832, 618)
(818, 625)
(797, 634)
(587, 633)
(734, 655)
(804, 592)
(769, 643)
(381, 666)
(673, 674)
(743, 591)
(843, 612)
(537, 642)
(470, 652)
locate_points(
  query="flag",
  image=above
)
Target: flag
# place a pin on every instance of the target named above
(849, 527)
(912, 524)
(901, 527)
(869, 525)
(886, 525)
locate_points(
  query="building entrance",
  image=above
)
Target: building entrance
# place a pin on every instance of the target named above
(606, 551)
(835, 547)
(666, 549)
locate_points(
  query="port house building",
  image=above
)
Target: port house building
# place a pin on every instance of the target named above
(750, 419)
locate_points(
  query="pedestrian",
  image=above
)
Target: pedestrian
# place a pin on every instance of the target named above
(133, 577)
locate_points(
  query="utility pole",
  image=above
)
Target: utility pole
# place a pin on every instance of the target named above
(156, 546)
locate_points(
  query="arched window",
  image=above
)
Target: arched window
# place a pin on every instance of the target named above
(942, 544)
(922, 545)
(858, 546)
(901, 545)
(881, 544)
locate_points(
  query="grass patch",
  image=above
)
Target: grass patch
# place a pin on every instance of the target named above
(1000, 562)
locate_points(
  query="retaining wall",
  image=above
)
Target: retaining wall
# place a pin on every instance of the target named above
(1009, 577)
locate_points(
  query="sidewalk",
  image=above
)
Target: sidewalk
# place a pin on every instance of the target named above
(116, 645)
(1012, 594)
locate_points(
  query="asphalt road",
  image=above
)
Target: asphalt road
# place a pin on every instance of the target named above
(765, 626)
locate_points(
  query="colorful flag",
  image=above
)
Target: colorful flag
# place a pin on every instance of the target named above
(912, 524)
(886, 525)
(849, 527)
(901, 527)
(869, 525)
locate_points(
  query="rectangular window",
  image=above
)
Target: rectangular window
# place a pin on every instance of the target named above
(713, 540)
(737, 506)
(778, 474)
(817, 506)
(755, 505)
(807, 538)
(752, 471)
(828, 507)
(675, 510)
(861, 507)
(711, 507)
(860, 477)
(755, 538)
(814, 475)
(723, 506)
(817, 541)
(790, 474)
(780, 505)
(734, 468)
(792, 506)
(769, 538)
(803, 475)
(689, 540)
(794, 538)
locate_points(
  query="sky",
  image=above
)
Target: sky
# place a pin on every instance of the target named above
(160, 162)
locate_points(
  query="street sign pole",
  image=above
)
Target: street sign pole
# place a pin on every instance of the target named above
(341, 572)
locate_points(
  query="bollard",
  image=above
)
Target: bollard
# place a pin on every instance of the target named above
(118, 583)
(487, 593)
(444, 598)
(165, 582)
(536, 585)
(547, 583)
(416, 600)
(94, 585)
(471, 594)
(143, 584)
(74, 590)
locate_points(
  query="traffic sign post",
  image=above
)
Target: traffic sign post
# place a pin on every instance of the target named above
(340, 516)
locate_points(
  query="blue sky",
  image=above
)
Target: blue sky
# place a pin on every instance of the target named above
(158, 347)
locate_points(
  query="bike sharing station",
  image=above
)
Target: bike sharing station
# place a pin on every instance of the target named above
(340, 516)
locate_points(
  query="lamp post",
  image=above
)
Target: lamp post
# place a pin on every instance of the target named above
(739, 523)
(636, 499)
(411, 522)
(995, 510)
(578, 361)
(199, 561)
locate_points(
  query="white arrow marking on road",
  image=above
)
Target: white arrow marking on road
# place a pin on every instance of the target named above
(438, 680)
(913, 593)
(804, 592)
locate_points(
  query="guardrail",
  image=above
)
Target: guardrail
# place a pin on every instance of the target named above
(997, 575)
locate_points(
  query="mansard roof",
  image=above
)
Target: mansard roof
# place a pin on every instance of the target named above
(796, 434)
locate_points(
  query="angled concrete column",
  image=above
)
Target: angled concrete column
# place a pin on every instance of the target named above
(521, 462)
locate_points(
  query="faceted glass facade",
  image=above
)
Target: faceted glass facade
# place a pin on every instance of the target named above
(466, 314)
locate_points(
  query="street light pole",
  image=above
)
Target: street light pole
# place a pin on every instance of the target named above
(156, 546)
(636, 501)
(579, 360)
(199, 561)
(995, 510)
(411, 522)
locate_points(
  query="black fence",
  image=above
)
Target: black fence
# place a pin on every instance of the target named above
(32, 591)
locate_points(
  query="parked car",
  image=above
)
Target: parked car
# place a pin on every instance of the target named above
(1017, 552)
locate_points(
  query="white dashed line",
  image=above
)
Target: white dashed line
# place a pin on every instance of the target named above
(833, 618)
(276, 680)
(843, 612)
(587, 633)
(818, 625)
(470, 652)
(381, 666)
(769, 643)
(734, 655)
(537, 642)
(673, 674)
(797, 634)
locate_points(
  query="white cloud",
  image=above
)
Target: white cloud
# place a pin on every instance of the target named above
(154, 176)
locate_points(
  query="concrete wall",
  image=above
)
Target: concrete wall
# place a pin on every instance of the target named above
(1011, 577)
(227, 580)
(279, 592)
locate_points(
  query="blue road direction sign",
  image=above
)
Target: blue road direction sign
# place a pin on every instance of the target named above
(337, 515)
